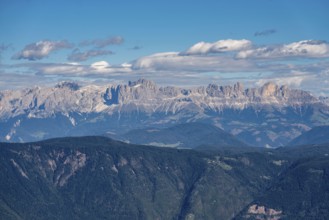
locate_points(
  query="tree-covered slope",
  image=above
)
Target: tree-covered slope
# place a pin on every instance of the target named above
(98, 178)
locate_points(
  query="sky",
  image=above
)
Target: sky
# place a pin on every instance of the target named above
(183, 43)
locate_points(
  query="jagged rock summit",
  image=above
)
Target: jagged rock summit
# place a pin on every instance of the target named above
(270, 115)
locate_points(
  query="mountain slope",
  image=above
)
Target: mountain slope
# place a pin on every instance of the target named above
(270, 115)
(98, 178)
(189, 135)
(317, 135)
(95, 177)
(301, 192)
(88, 178)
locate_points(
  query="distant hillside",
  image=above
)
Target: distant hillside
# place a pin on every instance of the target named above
(99, 178)
(317, 135)
(189, 135)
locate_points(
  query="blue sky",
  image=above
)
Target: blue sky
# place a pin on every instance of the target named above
(252, 41)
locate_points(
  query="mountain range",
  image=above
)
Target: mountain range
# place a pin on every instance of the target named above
(268, 116)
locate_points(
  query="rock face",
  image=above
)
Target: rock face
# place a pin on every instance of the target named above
(262, 212)
(271, 115)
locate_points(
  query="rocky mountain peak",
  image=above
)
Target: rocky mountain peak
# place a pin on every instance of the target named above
(238, 87)
(212, 90)
(215, 90)
(269, 89)
(143, 82)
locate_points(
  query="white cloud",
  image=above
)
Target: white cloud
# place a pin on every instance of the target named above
(41, 49)
(173, 61)
(291, 81)
(12, 80)
(306, 48)
(100, 68)
(100, 65)
(307, 80)
(59, 69)
(218, 47)
(126, 65)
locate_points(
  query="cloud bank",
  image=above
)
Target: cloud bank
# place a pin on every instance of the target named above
(301, 64)
(306, 48)
(96, 69)
(41, 49)
(175, 62)
(217, 47)
(78, 56)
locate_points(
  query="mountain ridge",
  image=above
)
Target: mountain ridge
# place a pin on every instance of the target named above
(270, 115)
(189, 135)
